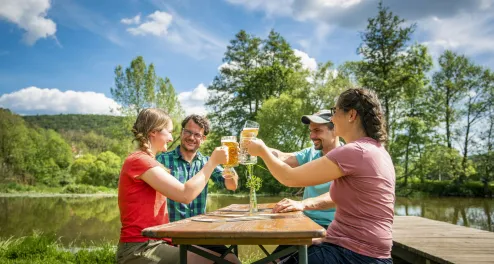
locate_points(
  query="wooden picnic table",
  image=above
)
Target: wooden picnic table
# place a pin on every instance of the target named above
(232, 225)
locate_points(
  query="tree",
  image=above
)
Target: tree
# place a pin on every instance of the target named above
(449, 85)
(478, 82)
(384, 52)
(415, 109)
(139, 88)
(253, 71)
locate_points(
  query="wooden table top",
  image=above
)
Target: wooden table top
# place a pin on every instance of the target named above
(292, 226)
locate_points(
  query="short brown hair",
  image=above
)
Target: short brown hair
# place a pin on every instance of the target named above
(201, 121)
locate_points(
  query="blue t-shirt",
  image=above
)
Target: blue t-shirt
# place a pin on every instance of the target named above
(322, 217)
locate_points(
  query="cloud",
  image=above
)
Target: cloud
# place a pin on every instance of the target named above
(34, 100)
(29, 15)
(157, 24)
(279, 7)
(465, 33)
(130, 21)
(307, 62)
(193, 102)
(180, 34)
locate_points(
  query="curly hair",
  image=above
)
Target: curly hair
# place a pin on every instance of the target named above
(369, 109)
(201, 121)
(149, 120)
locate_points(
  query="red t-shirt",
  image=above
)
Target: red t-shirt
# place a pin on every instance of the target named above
(140, 205)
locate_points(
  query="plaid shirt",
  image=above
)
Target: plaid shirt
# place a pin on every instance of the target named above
(183, 171)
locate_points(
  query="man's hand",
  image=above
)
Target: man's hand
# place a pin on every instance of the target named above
(288, 205)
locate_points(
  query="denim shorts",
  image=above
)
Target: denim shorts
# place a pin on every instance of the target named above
(326, 253)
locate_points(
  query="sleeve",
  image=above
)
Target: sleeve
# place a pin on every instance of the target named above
(303, 156)
(139, 164)
(347, 157)
(217, 177)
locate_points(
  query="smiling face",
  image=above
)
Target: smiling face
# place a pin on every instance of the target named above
(160, 138)
(321, 135)
(192, 137)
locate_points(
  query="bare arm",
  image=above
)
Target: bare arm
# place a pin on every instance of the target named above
(313, 173)
(321, 202)
(170, 187)
(288, 158)
(231, 181)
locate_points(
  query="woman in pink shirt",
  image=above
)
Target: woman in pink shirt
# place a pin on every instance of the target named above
(364, 183)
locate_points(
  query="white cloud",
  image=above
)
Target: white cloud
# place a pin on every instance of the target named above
(157, 24)
(307, 62)
(193, 102)
(34, 100)
(466, 33)
(130, 21)
(180, 34)
(29, 15)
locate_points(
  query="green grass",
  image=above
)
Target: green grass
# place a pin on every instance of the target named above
(42, 249)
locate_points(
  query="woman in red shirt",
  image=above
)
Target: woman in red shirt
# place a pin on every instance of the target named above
(144, 186)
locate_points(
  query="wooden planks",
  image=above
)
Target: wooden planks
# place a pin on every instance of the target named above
(421, 240)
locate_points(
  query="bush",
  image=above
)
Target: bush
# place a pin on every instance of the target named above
(83, 188)
(447, 188)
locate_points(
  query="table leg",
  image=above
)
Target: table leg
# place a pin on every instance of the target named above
(302, 254)
(183, 254)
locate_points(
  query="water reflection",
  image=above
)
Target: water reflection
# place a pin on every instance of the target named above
(93, 220)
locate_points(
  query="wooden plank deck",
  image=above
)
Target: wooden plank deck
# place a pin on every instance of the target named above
(421, 240)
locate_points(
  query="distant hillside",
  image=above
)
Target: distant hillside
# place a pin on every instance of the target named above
(105, 125)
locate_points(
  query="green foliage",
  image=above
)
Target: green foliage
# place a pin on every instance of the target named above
(103, 170)
(84, 188)
(449, 188)
(253, 182)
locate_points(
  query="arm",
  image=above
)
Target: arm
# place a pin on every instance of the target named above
(320, 202)
(313, 173)
(288, 158)
(230, 181)
(170, 187)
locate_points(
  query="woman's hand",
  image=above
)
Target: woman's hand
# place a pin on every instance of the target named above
(219, 155)
(256, 147)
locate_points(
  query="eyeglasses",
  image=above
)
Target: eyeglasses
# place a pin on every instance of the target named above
(188, 133)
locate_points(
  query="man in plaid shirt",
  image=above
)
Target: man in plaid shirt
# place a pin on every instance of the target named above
(185, 161)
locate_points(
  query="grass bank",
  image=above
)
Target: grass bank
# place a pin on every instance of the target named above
(15, 188)
(42, 248)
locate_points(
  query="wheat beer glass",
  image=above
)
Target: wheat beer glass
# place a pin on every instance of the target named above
(233, 150)
(249, 132)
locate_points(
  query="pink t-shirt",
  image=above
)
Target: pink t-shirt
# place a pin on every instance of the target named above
(364, 198)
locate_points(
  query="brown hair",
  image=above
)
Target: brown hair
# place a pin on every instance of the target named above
(149, 120)
(368, 107)
(201, 121)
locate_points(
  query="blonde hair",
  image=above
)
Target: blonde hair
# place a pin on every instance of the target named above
(149, 120)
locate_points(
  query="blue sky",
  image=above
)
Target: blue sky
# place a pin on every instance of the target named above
(58, 56)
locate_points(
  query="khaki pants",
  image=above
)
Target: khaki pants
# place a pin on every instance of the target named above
(152, 251)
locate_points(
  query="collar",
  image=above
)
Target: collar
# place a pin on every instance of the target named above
(177, 154)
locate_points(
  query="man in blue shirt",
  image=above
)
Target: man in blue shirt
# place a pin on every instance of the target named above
(316, 199)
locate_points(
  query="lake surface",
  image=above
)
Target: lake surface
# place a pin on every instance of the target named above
(93, 220)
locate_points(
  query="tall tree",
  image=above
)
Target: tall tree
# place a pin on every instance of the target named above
(449, 85)
(384, 48)
(417, 120)
(139, 87)
(478, 83)
(253, 71)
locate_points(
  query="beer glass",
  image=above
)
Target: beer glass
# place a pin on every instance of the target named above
(233, 150)
(249, 132)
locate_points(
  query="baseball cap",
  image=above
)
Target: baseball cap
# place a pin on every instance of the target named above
(321, 117)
